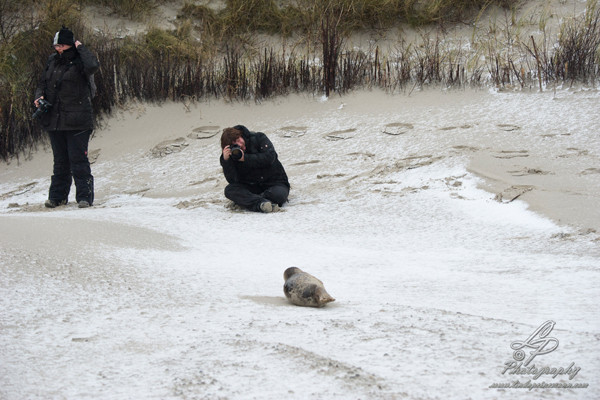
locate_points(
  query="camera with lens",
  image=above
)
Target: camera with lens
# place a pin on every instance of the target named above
(43, 107)
(236, 152)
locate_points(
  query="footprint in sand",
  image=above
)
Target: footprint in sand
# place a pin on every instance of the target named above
(360, 155)
(413, 162)
(465, 148)
(553, 135)
(203, 181)
(325, 176)
(590, 171)
(306, 162)
(18, 191)
(168, 147)
(528, 171)
(340, 135)
(450, 128)
(137, 191)
(407, 163)
(291, 131)
(575, 152)
(512, 193)
(508, 127)
(397, 128)
(194, 203)
(454, 182)
(204, 132)
(508, 154)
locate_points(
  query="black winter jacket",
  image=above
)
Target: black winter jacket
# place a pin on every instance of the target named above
(260, 165)
(65, 85)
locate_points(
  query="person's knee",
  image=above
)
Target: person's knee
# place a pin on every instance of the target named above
(78, 156)
(233, 190)
(277, 194)
(280, 198)
(229, 189)
(81, 168)
(61, 168)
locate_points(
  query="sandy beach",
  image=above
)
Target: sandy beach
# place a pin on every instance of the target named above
(447, 224)
(555, 172)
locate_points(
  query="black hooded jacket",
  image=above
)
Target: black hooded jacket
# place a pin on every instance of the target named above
(260, 166)
(64, 84)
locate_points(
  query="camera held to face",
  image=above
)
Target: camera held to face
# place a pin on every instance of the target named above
(43, 107)
(236, 152)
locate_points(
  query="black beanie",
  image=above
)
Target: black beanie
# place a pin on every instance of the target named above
(64, 36)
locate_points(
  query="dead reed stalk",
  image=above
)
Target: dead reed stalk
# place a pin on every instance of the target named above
(130, 71)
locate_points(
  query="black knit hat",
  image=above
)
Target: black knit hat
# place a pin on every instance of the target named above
(64, 36)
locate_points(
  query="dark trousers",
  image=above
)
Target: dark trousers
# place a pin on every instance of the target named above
(70, 149)
(251, 196)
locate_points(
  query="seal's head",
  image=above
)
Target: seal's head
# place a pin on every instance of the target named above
(289, 272)
(321, 297)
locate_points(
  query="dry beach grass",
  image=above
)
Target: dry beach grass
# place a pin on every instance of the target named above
(523, 47)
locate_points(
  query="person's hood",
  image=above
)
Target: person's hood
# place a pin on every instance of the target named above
(245, 132)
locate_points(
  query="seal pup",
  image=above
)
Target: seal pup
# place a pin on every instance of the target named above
(303, 289)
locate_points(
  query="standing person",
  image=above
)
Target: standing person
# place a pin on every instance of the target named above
(257, 180)
(69, 118)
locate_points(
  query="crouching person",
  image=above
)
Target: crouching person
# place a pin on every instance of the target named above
(257, 180)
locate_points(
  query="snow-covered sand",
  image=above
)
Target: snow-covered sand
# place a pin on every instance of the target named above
(447, 225)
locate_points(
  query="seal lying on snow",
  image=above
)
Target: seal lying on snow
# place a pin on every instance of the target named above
(303, 289)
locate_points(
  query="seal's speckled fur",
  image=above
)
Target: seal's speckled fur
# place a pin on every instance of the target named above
(303, 289)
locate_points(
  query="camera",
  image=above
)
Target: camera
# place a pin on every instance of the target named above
(43, 107)
(236, 152)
